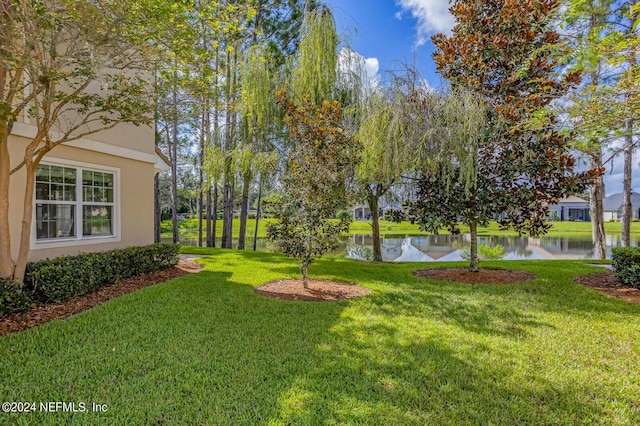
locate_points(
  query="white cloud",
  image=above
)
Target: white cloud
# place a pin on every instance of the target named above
(371, 66)
(353, 63)
(433, 17)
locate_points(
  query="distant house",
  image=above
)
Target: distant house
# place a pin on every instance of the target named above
(613, 206)
(363, 212)
(571, 208)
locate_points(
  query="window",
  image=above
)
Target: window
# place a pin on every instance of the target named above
(73, 203)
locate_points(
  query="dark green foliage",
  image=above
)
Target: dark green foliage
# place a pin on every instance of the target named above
(12, 299)
(62, 278)
(626, 265)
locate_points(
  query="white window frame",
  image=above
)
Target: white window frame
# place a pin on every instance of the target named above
(79, 239)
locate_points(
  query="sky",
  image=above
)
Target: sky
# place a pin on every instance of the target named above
(390, 33)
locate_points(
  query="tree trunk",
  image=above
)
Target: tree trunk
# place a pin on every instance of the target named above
(27, 217)
(304, 270)
(156, 208)
(626, 191)
(258, 212)
(6, 262)
(214, 225)
(201, 183)
(174, 169)
(596, 190)
(474, 261)
(208, 220)
(227, 226)
(244, 210)
(372, 200)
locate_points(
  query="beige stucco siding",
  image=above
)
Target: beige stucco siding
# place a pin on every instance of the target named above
(133, 200)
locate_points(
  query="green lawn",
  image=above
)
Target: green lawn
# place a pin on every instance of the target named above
(205, 349)
(189, 228)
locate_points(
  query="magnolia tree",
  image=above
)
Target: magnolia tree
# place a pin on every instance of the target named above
(72, 68)
(317, 181)
(500, 51)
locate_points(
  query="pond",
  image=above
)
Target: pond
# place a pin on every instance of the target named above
(426, 248)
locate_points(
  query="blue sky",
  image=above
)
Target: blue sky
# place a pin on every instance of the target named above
(393, 34)
(389, 33)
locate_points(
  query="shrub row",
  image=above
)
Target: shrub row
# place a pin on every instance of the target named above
(12, 299)
(626, 265)
(62, 278)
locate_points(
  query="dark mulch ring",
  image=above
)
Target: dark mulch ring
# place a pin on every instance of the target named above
(40, 314)
(483, 276)
(318, 291)
(607, 283)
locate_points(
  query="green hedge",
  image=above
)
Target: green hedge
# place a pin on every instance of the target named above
(626, 265)
(62, 278)
(12, 299)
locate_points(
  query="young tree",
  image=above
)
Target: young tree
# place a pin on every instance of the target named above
(499, 51)
(73, 69)
(316, 183)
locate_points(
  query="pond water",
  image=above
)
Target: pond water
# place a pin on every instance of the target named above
(426, 248)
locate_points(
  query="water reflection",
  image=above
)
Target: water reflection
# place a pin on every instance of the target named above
(423, 248)
(426, 248)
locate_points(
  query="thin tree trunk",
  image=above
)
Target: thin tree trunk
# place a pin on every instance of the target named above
(304, 271)
(372, 200)
(258, 212)
(174, 167)
(244, 210)
(627, 211)
(201, 183)
(208, 220)
(6, 262)
(596, 190)
(214, 225)
(27, 214)
(156, 208)
(227, 225)
(473, 264)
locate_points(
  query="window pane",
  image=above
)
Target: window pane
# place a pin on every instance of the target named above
(42, 173)
(109, 195)
(108, 180)
(56, 174)
(69, 193)
(87, 178)
(42, 191)
(97, 220)
(55, 221)
(69, 176)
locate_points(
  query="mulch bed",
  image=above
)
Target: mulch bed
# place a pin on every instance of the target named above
(318, 291)
(607, 283)
(40, 314)
(483, 276)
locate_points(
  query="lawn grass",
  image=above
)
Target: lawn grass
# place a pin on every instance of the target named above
(205, 349)
(189, 228)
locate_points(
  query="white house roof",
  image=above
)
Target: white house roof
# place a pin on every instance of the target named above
(571, 199)
(613, 202)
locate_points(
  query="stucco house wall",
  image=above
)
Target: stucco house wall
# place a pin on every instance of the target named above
(126, 154)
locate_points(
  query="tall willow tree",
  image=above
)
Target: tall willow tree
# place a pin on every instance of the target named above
(259, 114)
(315, 64)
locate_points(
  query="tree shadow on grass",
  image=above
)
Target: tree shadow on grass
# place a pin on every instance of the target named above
(204, 349)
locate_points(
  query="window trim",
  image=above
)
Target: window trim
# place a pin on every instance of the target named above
(80, 239)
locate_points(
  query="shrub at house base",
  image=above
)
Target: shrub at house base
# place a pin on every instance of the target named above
(63, 278)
